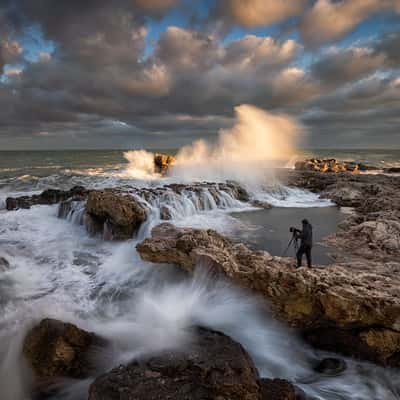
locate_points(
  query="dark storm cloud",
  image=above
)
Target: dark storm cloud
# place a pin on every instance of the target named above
(98, 89)
(342, 66)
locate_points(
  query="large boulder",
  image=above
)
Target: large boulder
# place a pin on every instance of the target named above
(57, 349)
(359, 300)
(49, 196)
(212, 367)
(117, 214)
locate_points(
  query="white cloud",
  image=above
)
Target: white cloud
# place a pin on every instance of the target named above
(329, 20)
(252, 13)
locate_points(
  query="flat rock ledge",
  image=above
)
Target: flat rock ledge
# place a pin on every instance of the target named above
(353, 308)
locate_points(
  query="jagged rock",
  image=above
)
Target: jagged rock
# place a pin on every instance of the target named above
(345, 196)
(331, 165)
(213, 367)
(115, 213)
(49, 196)
(355, 299)
(57, 349)
(4, 264)
(239, 192)
(163, 162)
(330, 366)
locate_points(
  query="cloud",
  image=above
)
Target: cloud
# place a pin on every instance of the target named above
(340, 66)
(330, 20)
(10, 51)
(259, 51)
(389, 46)
(98, 83)
(155, 5)
(253, 13)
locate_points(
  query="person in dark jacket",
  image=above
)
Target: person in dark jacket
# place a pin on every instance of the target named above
(306, 242)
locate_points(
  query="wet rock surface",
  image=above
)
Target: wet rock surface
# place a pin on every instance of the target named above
(57, 349)
(163, 162)
(372, 231)
(330, 366)
(331, 165)
(280, 389)
(212, 367)
(49, 196)
(118, 215)
(356, 302)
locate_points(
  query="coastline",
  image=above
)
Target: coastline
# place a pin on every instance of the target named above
(353, 301)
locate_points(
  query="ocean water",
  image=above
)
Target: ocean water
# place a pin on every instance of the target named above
(57, 270)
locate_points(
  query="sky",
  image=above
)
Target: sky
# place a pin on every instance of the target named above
(161, 73)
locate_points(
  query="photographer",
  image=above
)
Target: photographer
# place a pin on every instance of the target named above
(306, 241)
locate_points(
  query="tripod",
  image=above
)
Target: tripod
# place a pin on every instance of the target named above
(294, 241)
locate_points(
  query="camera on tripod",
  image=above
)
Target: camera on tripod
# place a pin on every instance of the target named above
(293, 230)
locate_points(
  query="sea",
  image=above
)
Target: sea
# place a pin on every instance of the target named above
(58, 270)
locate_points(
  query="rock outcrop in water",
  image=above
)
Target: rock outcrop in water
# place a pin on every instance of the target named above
(355, 307)
(212, 367)
(163, 162)
(331, 165)
(49, 196)
(117, 214)
(57, 349)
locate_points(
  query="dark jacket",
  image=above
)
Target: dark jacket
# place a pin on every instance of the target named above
(305, 235)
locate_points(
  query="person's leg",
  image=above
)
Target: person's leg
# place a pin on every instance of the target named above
(299, 255)
(308, 255)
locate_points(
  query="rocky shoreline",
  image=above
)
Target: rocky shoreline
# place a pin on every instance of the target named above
(350, 307)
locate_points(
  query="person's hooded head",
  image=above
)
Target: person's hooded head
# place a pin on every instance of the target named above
(305, 222)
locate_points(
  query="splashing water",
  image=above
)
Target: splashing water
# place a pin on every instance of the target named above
(143, 308)
(258, 140)
(141, 165)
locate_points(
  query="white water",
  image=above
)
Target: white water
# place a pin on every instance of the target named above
(58, 271)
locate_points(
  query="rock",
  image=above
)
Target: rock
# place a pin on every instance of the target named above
(354, 298)
(165, 213)
(279, 389)
(384, 234)
(57, 349)
(330, 366)
(261, 204)
(331, 165)
(213, 367)
(392, 170)
(163, 162)
(116, 214)
(4, 264)
(49, 196)
(238, 192)
(371, 231)
(345, 196)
